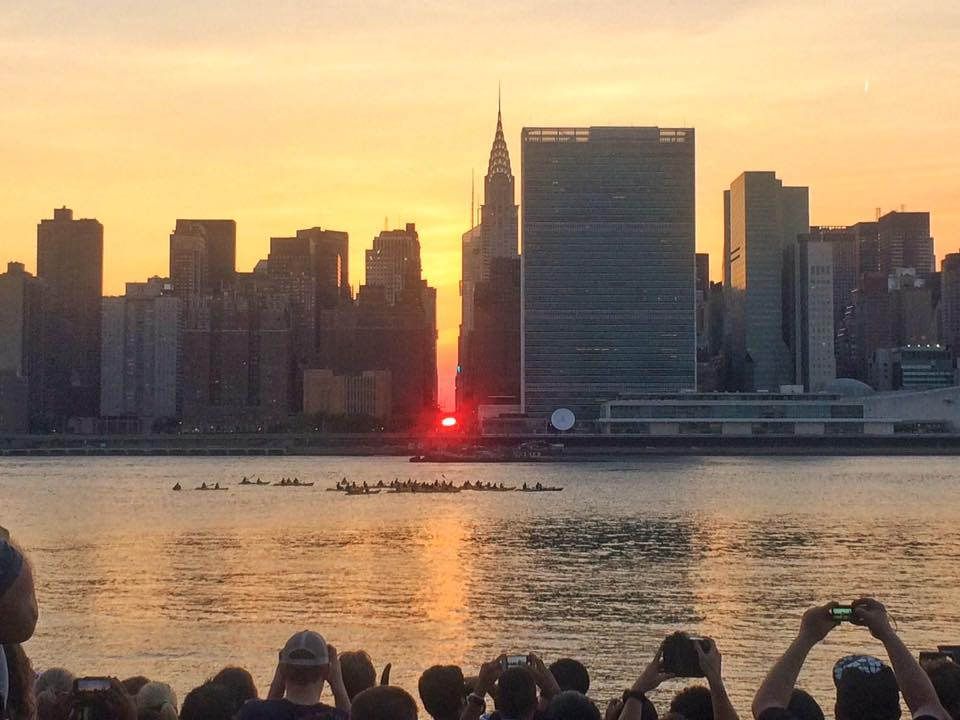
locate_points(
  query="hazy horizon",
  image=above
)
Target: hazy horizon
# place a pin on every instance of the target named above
(295, 114)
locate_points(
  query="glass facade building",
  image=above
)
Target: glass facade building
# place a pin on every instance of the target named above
(607, 265)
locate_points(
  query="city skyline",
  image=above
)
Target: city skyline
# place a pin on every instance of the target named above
(124, 142)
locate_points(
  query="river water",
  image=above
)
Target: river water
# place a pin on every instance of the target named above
(136, 579)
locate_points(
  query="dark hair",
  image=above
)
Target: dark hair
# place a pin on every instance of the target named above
(571, 674)
(868, 697)
(303, 674)
(803, 707)
(21, 702)
(442, 691)
(207, 702)
(239, 683)
(572, 705)
(383, 703)
(945, 677)
(694, 703)
(516, 695)
(134, 684)
(358, 672)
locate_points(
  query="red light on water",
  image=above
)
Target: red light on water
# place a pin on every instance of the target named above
(449, 421)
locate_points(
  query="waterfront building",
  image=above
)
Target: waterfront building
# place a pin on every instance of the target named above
(328, 393)
(904, 242)
(846, 408)
(70, 264)
(21, 349)
(608, 265)
(141, 352)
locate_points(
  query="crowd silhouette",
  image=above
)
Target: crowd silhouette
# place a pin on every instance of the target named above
(313, 681)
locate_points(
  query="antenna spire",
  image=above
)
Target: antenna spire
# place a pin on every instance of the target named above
(472, 176)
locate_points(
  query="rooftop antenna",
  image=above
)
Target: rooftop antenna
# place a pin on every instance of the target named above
(878, 213)
(472, 175)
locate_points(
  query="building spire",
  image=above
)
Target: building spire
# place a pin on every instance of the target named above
(499, 155)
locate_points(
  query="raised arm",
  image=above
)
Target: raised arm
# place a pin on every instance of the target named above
(915, 685)
(777, 687)
(649, 680)
(486, 680)
(340, 695)
(710, 663)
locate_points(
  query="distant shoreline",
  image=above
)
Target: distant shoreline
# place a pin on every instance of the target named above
(576, 448)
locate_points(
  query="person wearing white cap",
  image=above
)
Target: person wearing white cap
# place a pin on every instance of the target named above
(307, 662)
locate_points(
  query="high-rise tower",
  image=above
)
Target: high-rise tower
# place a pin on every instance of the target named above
(490, 330)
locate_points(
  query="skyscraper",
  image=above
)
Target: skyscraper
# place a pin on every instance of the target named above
(141, 353)
(808, 311)
(489, 360)
(393, 262)
(905, 242)
(608, 265)
(70, 263)
(950, 303)
(21, 350)
(203, 255)
(765, 219)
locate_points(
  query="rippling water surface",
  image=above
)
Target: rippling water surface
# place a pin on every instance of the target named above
(134, 578)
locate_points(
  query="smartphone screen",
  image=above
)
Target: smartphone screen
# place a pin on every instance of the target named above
(93, 684)
(842, 613)
(516, 661)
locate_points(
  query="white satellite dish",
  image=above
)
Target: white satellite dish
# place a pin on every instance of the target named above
(563, 419)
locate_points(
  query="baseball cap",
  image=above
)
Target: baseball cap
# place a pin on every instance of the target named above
(866, 689)
(305, 649)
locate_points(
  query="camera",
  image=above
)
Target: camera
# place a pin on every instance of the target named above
(680, 656)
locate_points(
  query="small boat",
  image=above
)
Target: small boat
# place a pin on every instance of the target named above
(290, 484)
(363, 491)
(263, 483)
(541, 489)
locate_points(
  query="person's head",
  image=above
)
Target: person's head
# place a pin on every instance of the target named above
(239, 683)
(571, 674)
(694, 703)
(305, 665)
(54, 680)
(383, 703)
(866, 689)
(18, 601)
(516, 695)
(572, 705)
(133, 684)
(207, 702)
(803, 707)
(156, 701)
(20, 700)
(945, 676)
(442, 691)
(358, 672)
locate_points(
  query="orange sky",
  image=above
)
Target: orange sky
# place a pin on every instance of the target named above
(294, 113)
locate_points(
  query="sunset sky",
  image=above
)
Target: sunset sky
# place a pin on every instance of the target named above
(294, 113)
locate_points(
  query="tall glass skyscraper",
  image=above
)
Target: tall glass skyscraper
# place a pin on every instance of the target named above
(608, 265)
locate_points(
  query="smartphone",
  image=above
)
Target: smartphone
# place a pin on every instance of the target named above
(842, 613)
(680, 656)
(91, 685)
(512, 661)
